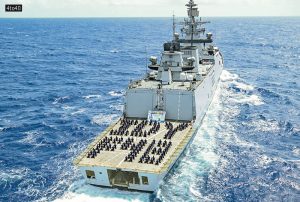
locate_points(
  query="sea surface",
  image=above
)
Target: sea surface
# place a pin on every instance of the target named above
(62, 82)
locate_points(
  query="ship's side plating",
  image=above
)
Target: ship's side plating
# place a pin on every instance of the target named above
(145, 181)
(204, 93)
(182, 86)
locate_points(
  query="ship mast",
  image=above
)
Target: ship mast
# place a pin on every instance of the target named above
(192, 25)
(192, 13)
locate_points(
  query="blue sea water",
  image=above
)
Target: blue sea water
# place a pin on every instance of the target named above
(62, 82)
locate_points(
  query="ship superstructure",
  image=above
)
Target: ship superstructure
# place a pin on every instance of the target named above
(162, 113)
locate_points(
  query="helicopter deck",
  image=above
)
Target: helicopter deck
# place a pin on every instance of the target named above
(137, 145)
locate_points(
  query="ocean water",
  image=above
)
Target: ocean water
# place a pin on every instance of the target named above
(62, 82)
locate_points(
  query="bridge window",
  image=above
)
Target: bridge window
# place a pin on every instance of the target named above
(90, 174)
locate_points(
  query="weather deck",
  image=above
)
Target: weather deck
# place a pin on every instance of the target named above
(117, 148)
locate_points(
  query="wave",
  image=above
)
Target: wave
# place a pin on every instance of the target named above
(66, 107)
(72, 110)
(30, 138)
(117, 107)
(116, 93)
(79, 191)
(60, 99)
(268, 93)
(234, 80)
(252, 99)
(79, 111)
(104, 119)
(246, 144)
(227, 76)
(92, 96)
(13, 174)
(243, 86)
(114, 51)
(243, 94)
(296, 152)
(265, 125)
(8, 177)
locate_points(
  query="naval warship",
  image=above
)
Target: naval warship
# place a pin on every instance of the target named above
(162, 113)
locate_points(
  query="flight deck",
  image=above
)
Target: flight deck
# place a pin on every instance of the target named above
(138, 145)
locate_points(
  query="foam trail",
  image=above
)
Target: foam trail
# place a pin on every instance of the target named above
(243, 86)
(103, 119)
(203, 156)
(227, 76)
(116, 93)
(92, 97)
(81, 192)
(252, 99)
(79, 111)
(13, 174)
(66, 107)
(117, 107)
(9, 177)
(60, 100)
(246, 94)
(114, 51)
(31, 137)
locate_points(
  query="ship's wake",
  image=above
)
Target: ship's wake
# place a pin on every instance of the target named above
(79, 192)
(228, 156)
(203, 156)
